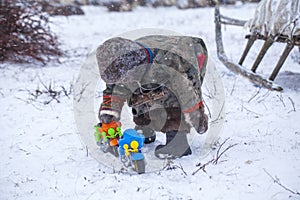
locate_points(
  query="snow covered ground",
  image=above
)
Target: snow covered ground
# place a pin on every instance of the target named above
(43, 156)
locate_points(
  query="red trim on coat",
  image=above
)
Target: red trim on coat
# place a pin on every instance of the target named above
(201, 59)
(114, 98)
(192, 109)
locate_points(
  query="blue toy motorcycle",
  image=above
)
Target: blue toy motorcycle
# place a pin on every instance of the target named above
(130, 150)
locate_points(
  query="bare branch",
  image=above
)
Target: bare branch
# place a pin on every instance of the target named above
(67, 93)
(281, 99)
(180, 167)
(254, 95)
(171, 166)
(29, 102)
(84, 86)
(219, 115)
(277, 181)
(216, 158)
(293, 104)
(49, 93)
(220, 155)
(243, 107)
(233, 87)
(202, 167)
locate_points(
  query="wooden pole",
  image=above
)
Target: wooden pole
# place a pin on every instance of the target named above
(282, 59)
(250, 42)
(268, 43)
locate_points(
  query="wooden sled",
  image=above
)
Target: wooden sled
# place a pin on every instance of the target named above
(238, 68)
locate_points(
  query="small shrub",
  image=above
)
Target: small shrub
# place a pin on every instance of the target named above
(25, 33)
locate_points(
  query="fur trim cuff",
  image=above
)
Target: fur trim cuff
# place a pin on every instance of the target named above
(114, 113)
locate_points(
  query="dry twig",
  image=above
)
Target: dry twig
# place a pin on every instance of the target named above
(254, 95)
(216, 159)
(84, 86)
(220, 153)
(48, 92)
(250, 111)
(277, 181)
(293, 104)
(219, 115)
(170, 166)
(233, 87)
(281, 99)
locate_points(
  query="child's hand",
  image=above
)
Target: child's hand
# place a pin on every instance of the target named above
(197, 119)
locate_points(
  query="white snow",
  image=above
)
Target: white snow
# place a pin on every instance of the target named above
(43, 157)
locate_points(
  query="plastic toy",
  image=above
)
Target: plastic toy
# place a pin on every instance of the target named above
(130, 150)
(107, 136)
